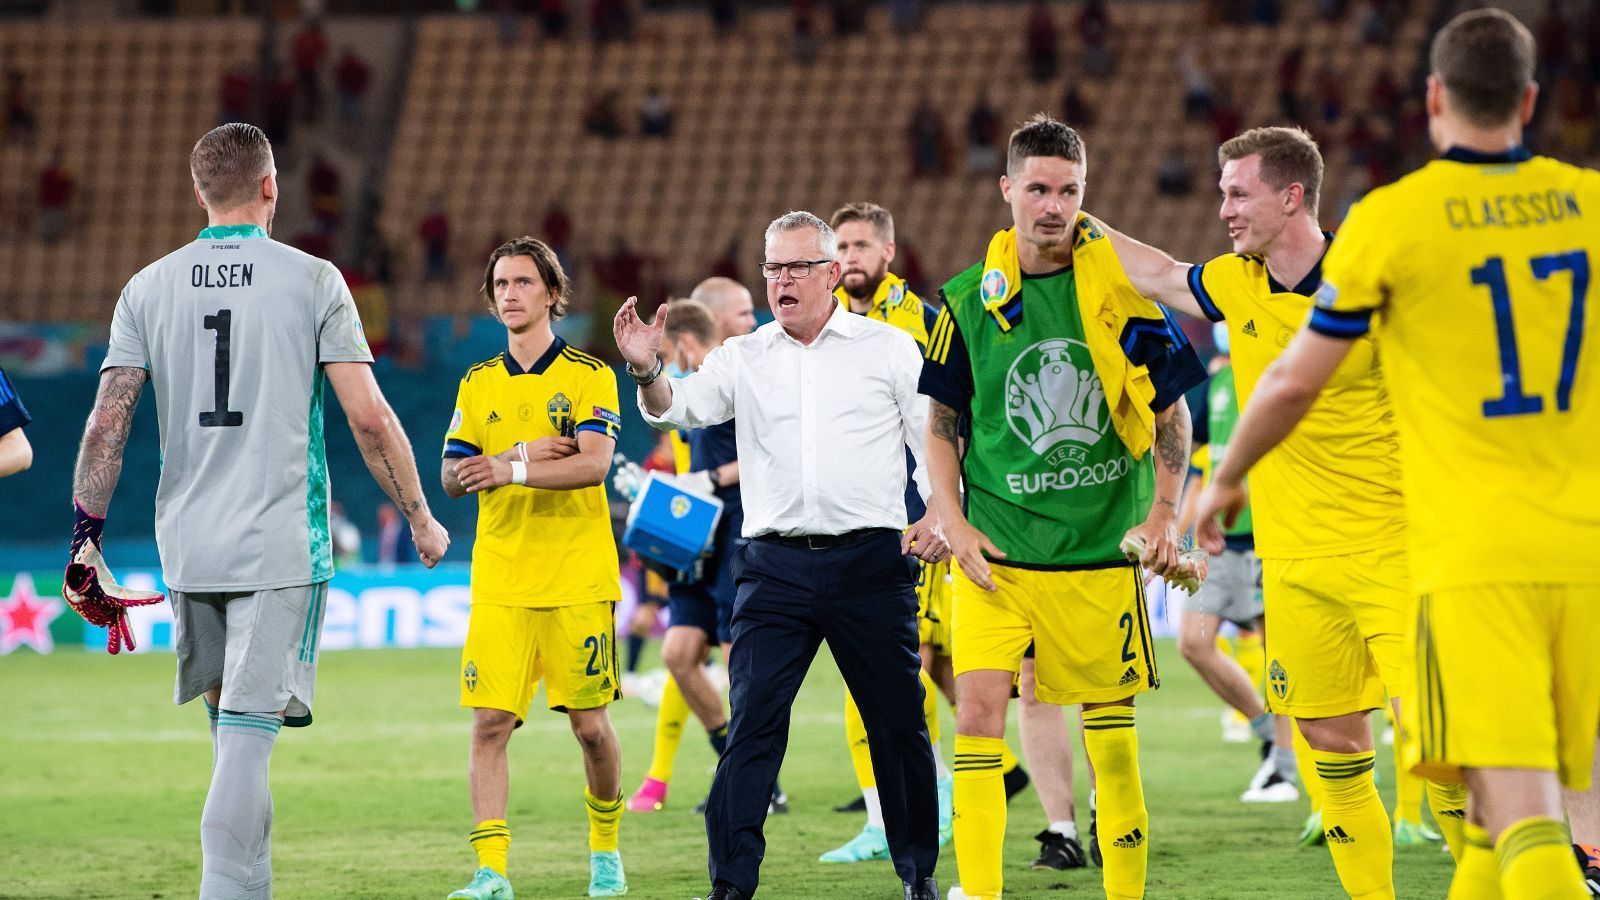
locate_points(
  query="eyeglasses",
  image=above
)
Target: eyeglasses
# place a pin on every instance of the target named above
(800, 268)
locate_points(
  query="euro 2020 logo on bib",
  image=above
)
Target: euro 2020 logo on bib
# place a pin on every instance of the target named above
(994, 285)
(1054, 401)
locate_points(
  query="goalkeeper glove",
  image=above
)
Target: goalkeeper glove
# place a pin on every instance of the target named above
(91, 590)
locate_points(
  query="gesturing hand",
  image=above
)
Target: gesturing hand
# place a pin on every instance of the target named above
(639, 343)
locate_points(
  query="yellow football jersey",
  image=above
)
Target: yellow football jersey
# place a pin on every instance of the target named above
(1333, 486)
(1480, 271)
(536, 547)
(895, 304)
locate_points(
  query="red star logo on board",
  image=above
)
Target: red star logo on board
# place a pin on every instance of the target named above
(25, 617)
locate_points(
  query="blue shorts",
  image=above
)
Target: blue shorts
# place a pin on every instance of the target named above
(707, 604)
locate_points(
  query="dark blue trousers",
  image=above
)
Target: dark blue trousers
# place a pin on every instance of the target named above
(861, 598)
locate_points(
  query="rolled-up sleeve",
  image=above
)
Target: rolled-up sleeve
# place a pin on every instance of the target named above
(702, 398)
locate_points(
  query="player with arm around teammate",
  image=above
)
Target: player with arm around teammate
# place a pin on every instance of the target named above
(1474, 274)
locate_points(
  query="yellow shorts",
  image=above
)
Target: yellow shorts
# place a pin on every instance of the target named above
(510, 648)
(1089, 628)
(933, 606)
(1337, 630)
(1509, 678)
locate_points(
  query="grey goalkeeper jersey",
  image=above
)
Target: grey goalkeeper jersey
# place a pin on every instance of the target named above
(233, 329)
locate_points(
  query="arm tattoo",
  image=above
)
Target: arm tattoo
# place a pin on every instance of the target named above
(378, 445)
(100, 454)
(1172, 437)
(943, 420)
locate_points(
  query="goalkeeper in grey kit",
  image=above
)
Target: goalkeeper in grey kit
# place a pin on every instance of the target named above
(237, 335)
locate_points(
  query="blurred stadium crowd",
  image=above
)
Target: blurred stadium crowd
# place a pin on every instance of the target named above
(649, 143)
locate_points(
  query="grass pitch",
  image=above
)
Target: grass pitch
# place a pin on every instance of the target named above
(102, 780)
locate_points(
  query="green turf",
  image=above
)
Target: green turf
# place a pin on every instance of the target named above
(102, 780)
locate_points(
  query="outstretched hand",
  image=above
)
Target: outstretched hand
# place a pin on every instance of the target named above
(639, 343)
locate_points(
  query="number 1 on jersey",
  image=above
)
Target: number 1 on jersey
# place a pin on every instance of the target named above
(1492, 275)
(221, 415)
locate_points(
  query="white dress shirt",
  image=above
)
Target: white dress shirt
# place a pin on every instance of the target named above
(822, 428)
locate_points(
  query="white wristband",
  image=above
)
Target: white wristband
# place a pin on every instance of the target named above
(519, 472)
(522, 450)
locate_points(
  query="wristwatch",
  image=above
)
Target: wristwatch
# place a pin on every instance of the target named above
(648, 378)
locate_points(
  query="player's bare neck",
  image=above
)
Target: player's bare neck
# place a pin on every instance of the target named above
(1487, 141)
(1296, 250)
(1037, 260)
(528, 345)
(256, 214)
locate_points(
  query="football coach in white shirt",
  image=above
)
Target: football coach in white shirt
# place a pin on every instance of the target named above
(826, 403)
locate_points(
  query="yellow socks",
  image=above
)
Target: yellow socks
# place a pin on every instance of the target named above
(1355, 824)
(980, 804)
(670, 718)
(1309, 782)
(855, 734)
(1536, 862)
(1448, 801)
(1251, 657)
(1113, 746)
(1008, 760)
(1477, 872)
(491, 839)
(1407, 787)
(605, 816)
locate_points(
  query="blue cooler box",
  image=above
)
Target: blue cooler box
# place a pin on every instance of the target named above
(669, 524)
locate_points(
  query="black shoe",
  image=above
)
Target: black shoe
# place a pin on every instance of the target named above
(1016, 780)
(1057, 851)
(778, 805)
(725, 891)
(858, 805)
(1094, 840)
(927, 890)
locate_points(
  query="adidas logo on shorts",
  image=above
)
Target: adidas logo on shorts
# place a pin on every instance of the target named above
(1337, 835)
(1130, 840)
(494, 418)
(1129, 677)
(1250, 328)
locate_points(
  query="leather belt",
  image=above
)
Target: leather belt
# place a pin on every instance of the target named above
(823, 541)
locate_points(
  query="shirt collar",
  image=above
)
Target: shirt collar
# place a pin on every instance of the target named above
(226, 232)
(540, 364)
(1516, 154)
(841, 321)
(1313, 280)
